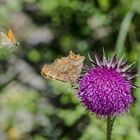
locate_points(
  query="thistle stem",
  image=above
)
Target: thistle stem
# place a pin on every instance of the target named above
(110, 122)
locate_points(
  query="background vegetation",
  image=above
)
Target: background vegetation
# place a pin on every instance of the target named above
(33, 108)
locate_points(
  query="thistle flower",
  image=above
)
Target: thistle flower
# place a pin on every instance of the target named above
(105, 89)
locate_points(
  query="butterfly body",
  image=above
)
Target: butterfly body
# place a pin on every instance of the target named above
(8, 40)
(66, 69)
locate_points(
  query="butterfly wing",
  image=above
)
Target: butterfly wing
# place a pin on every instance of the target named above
(5, 40)
(49, 72)
(66, 69)
(11, 36)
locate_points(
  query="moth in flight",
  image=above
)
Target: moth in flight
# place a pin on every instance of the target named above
(8, 40)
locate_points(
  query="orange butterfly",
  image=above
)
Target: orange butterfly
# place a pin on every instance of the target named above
(8, 40)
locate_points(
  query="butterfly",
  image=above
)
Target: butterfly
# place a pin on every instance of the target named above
(8, 40)
(67, 69)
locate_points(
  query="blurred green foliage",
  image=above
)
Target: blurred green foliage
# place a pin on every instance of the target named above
(34, 108)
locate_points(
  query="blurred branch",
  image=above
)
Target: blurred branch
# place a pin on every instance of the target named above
(27, 74)
(123, 32)
(3, 85)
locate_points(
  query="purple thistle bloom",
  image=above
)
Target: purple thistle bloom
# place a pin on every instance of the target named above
(105, 89)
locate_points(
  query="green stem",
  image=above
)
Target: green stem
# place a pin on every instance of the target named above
(110, 122)
(123, 32)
